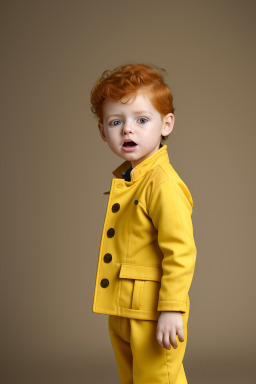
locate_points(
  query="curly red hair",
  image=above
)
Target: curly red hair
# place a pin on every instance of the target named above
(127, 79)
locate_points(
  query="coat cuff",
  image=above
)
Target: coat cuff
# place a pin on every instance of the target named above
(172, 306)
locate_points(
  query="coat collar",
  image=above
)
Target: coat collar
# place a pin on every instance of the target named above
(161, 155)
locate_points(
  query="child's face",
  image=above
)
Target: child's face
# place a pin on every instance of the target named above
(136, 120)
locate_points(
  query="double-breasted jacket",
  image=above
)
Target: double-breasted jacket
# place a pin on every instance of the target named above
(147, 252)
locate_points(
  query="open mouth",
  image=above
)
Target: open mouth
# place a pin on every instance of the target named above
(129, 144)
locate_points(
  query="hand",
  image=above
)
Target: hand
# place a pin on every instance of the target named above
(169, 324)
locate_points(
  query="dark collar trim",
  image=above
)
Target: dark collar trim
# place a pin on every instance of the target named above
(127, 174)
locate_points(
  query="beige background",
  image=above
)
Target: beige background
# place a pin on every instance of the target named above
(55, 168)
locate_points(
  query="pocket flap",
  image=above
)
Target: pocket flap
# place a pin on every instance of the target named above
(140, 272)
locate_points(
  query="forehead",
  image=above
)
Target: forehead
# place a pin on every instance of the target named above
(129, 103)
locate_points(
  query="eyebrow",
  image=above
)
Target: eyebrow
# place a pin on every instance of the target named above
(135, 113)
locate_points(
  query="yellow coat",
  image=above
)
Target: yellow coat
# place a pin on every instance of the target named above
(147, 252)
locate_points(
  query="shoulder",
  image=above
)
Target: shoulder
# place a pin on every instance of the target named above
(164, 179)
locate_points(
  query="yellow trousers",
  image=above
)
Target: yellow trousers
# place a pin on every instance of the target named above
(140, 358)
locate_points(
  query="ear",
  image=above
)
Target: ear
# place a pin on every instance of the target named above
(102, 133)
(168, 124)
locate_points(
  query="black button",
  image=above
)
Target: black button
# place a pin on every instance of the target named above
(104, 283)
(115, 207)
(110, 232)
(136, 202)
(107, 257)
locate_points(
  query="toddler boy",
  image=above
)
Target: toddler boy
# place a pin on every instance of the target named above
(147, 252)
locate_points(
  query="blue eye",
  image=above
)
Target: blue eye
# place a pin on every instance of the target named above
(114, 122)
(143, 118)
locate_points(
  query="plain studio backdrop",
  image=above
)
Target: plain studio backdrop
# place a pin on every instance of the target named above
(55, 168)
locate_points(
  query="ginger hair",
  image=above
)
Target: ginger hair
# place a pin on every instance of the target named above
(127, 79)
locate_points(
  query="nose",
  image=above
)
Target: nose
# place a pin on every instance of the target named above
(127, 128)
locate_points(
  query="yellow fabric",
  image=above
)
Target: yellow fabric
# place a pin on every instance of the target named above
(140, 358)
(153, 249)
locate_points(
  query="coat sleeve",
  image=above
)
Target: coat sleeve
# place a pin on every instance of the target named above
(170, 211)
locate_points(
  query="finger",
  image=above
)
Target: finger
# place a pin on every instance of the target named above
(173, 338)
(166, 340)
(180, 334)
(159, 337)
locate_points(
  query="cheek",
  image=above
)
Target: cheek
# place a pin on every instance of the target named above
(113, 135)
(114, 139)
